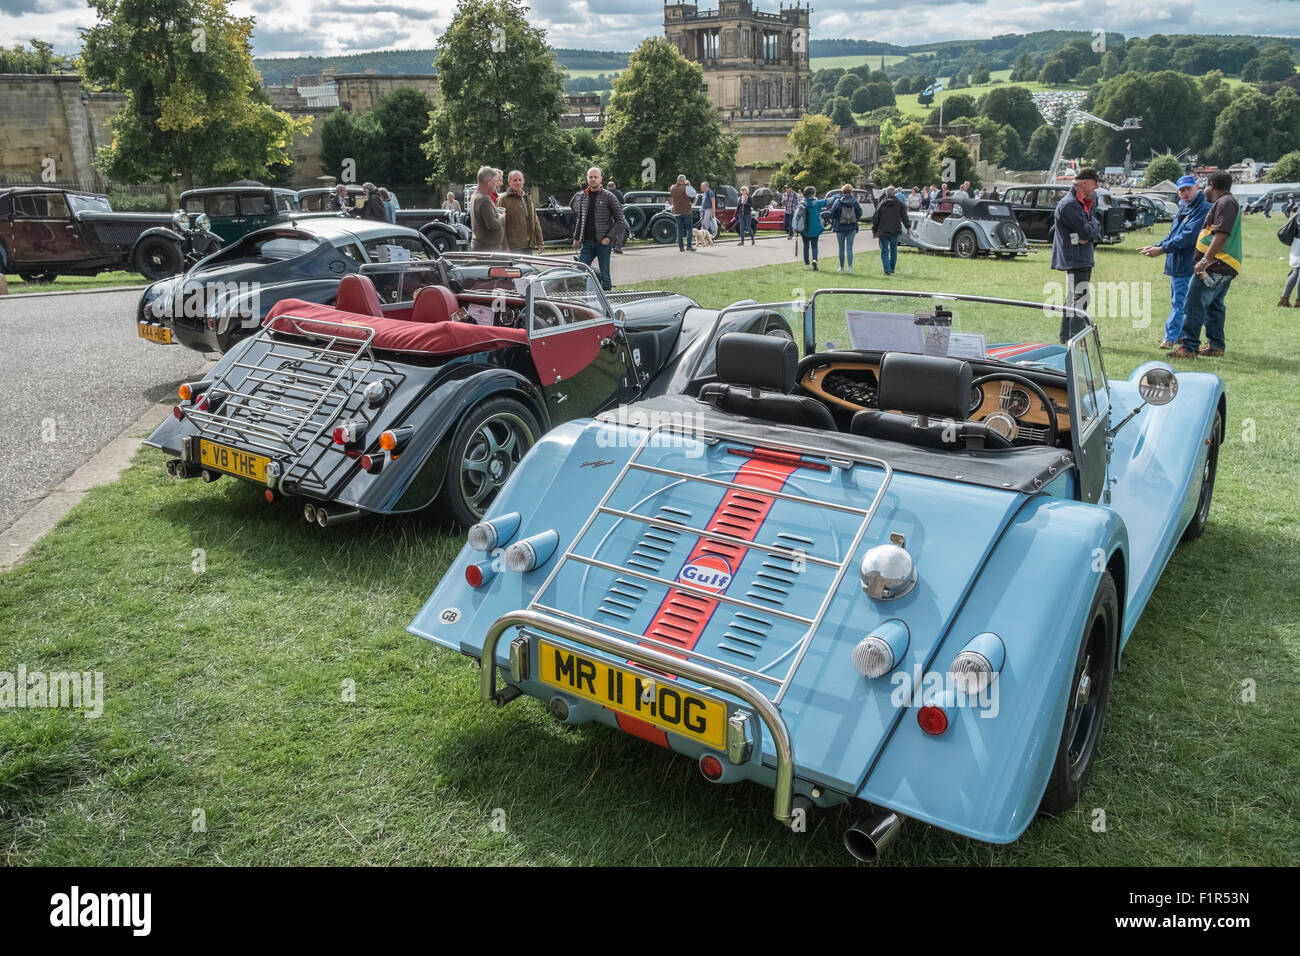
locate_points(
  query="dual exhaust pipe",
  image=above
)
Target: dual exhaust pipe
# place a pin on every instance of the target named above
(325, 518)
(183, 469)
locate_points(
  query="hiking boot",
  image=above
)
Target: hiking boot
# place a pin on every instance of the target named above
(1208, 352)
(1285, 304)
(1182, 353)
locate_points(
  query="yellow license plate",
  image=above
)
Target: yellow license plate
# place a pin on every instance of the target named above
(233, 462)
(667, 705)
(154, 333)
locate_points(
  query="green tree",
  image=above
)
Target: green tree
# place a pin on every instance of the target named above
(1256, 125)
(1168, 102)
(841, 112)
(1025, 69)
(954, 105)
(1089, 75)
(1042, 145)
(402, 116)
(1286, 169)
(195, 107)
(1161, 168)
(660, 122)
(980, 75)
(1013, 148)
(815, 158)
(1275, 62)
(501, 95)
(1013, 106)
(41, 58)
(848, 84)
(911, 159)
(962, 166)
(351, 147)
(1110, 65)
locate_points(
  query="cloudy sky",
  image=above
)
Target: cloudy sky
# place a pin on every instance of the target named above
(304, 27)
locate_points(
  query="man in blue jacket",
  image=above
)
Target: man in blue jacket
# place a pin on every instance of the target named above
(1179, 249)
(1076, 231)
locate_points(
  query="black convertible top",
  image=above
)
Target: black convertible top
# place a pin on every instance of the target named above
(1025, 469)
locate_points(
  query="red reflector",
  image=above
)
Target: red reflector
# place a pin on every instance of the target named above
(474, 575)
(711, 767)
(778, 457)
(370, 462)
(270, 495)
(932, 720)
(340, 436)
(178, 412)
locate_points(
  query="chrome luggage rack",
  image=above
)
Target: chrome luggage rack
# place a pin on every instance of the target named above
(291, 393)
(730, 678)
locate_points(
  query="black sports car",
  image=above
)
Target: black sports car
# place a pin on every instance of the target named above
(430, 380)
(225, 297)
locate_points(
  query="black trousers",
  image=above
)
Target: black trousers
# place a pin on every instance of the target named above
(1078, 293)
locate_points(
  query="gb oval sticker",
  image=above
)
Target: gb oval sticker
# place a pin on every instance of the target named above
(707, 571)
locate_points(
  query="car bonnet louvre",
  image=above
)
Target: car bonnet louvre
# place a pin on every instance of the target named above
(684, 609)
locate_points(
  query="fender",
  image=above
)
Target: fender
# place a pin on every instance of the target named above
(443, 229)
(414, 479)
(985, 776)
(165, 232)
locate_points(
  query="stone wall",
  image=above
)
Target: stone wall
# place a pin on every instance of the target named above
(53, 117)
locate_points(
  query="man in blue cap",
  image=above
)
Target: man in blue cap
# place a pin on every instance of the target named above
(1179, 249)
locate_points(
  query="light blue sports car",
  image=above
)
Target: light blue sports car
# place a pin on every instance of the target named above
(900, 570)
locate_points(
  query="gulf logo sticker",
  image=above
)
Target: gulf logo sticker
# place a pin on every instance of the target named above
(707, 571)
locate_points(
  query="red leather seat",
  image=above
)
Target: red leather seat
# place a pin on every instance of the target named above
(357, 294)
(434, 303)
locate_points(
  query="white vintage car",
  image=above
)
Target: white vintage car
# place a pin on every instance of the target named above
(967, 228)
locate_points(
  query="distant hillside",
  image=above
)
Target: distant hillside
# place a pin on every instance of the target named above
(998, 52)
(280, 70)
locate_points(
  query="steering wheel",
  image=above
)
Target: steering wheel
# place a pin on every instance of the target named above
(555, 320)
(1034, 387)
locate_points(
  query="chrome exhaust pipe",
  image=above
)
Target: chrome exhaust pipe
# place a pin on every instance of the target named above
(868, 839)
(328, 519)
(210, 476)
(182, 469)
(309, 512)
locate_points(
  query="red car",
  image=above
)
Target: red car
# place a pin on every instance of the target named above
(772, 218)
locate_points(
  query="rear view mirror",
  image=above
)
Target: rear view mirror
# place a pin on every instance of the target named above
(1158, 386)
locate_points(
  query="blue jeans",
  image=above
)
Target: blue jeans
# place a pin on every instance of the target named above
(1177, 303)
(1205, 307)
(594, 249)
(888, 252)
(789, 223)
(810, 242)
(745, 227)
(685, 224)
(844, 243)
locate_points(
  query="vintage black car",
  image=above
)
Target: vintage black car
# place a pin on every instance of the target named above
(47, 232)
(430, 380)
(226, 296)
(1035, 207)
(663, 224)
(639, 207)
(446, 230)
(236, 210)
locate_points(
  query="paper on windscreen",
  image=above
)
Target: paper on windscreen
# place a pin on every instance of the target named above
(884, 331)
(936, 339)
(967, 345)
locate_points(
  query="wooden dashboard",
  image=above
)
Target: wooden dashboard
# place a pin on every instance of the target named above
(813, 382)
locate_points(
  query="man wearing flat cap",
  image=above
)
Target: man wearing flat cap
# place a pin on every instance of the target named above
(1077, 230)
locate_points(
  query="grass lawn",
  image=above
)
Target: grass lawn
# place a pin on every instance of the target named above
(851, 60)
(225, 690)
(77, 283)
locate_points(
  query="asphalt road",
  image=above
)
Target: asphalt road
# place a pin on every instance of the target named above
(73, 375)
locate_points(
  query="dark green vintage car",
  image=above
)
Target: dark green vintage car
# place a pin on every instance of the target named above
(236, 210)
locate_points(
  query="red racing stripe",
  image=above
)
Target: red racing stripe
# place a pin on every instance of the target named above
(683, 616)
(1007, 351)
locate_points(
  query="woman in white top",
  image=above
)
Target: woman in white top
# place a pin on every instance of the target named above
(451, 204)
(1293, 277)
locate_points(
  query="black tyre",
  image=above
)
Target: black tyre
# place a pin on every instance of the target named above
(663, 230)
(487, 446)
(1085, 708)
(157, 258)
(634, 216)
(964, 245)
(1196, 527)
(38, 278)
(1009, 233)
(440, 241)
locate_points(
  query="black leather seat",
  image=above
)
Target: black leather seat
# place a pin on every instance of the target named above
(936, 390)
(758, 373)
